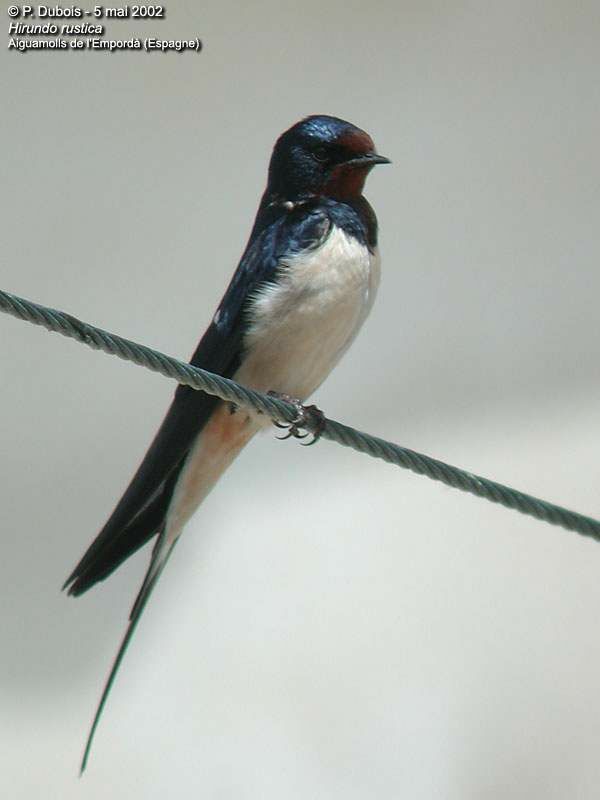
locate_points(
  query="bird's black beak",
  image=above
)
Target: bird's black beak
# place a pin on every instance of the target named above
(368, 160)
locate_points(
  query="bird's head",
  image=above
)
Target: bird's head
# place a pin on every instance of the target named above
(322, 156)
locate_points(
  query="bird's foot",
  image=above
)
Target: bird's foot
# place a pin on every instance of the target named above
(309, 420)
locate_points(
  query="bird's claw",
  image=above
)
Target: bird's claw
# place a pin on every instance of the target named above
(308, 420)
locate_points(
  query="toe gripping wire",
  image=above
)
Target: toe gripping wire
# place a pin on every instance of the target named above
(308, 421)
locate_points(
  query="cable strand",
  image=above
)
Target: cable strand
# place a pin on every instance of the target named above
(283, 412)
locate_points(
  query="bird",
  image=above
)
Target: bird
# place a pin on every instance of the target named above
(304, 285)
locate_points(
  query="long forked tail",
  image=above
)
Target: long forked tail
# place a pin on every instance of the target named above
(220, 441)
(160, 555)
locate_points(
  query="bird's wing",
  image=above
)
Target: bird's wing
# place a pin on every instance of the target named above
(140, 513)
(141, 510)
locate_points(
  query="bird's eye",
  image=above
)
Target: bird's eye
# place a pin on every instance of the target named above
(320, 154)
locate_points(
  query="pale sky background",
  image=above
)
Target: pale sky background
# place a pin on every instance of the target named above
(329, 626)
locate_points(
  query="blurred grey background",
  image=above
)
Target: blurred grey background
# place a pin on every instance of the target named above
(329, 626)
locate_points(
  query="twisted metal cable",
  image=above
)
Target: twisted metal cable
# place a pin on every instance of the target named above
(280, 411)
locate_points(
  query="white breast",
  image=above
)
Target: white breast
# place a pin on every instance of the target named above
(301, 325)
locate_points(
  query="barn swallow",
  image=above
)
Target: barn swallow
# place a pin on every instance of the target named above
(304, 286)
